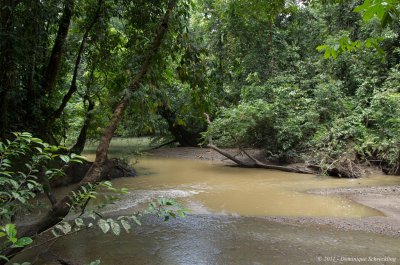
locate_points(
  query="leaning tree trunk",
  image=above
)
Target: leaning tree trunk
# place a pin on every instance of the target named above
(52, 69)
(62, 207)
(73, 87)
(102, 150)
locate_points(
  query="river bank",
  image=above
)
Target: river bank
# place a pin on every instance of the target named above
(385, 199)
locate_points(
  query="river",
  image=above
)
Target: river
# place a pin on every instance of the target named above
(228, 222)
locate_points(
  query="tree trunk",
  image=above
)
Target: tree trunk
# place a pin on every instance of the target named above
(7, 64)
(73, 87)
(181, 134)
(50, 75)
(80, 143)
(102, 150)
(254, 162)
(257, 164)
(61, 209)
(3, 113)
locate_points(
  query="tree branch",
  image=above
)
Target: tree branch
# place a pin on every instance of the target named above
(62, 208)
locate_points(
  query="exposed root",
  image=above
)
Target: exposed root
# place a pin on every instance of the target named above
(346, 168)
(114, 168)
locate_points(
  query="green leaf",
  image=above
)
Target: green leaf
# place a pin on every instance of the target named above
(105, 227)
(136, 220)
(327, 53)
(40, 150)
(20, 198)
(10, 230)
(79, 222)
(67, 227)
(115, 228)
(75, 156)
(172, 214)
(125, 224)
(181, 213)
(322, 48)
(65, 158)
(54, 232)
(23, 241)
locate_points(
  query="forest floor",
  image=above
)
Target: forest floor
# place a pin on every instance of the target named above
(385, 199)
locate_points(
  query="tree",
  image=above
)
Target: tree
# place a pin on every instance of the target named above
(62, 207)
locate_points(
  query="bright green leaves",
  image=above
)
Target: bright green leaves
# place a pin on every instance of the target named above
(21, 182)
(65, 158)
(260, 9)
(9, 232)
(162, 208)
(344, 44)
(81, 197)
(23, 241)
(385, 10)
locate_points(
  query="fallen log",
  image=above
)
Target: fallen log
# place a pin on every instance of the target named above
(258, 164)
(255, 163)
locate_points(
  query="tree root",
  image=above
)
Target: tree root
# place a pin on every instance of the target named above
(346, 169)
(114, 168)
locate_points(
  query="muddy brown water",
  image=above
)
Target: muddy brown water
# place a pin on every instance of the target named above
(209, 187)
(226, 225)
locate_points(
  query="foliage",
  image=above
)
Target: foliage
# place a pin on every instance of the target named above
(162, 208)
(26, 167)
(8, 235)
(276, 117)
(386, 11)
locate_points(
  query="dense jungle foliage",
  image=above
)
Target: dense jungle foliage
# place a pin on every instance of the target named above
(307, 81)
(312, 81)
